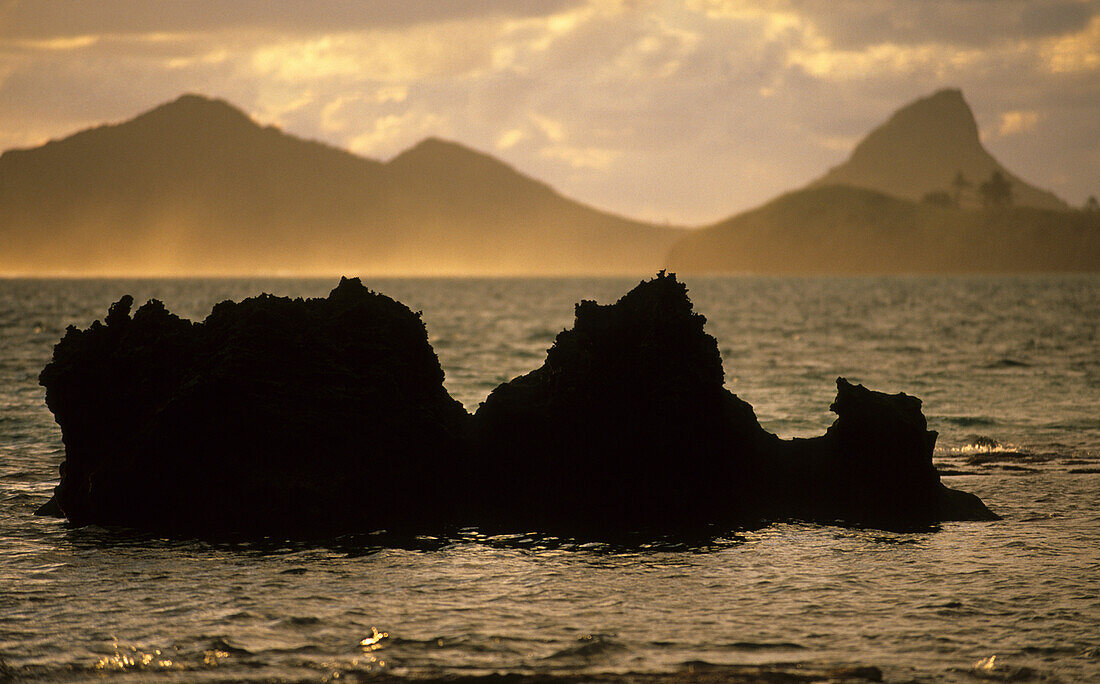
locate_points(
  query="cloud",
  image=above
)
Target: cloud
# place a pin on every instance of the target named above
(37, 19)
(388, 56)
(871, 61)
(687, 110)
(851, 24)
(837, 143)
(346, 112)
(510, 138)
(1075, 52)
(214, 56)
(553, 130)
(1015, 122)
(581, 158)
(392, 133)
(64, 43)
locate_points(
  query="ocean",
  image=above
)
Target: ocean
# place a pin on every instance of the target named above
(1009, 371)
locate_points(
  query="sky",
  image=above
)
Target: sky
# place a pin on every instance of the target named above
(684, 112)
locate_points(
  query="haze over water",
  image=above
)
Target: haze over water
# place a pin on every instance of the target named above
(1009, 371)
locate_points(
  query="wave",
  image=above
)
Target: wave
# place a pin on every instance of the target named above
(588, 647)
(762, 646)
(1007, 362)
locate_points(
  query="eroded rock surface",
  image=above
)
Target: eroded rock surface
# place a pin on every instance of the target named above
(873, 466)
(626, 424)
(320, 416)
(272, 416)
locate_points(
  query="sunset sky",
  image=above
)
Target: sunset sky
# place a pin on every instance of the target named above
(681, 111)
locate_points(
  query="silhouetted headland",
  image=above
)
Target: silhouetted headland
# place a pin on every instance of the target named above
(315, 417)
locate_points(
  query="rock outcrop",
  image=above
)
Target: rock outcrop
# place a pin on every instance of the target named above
(873, 466)
(272, 416)
(320, 416)
(627, 424)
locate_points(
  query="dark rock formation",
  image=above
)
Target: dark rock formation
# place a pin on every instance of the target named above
(873, 466)
(320, 416)
(272, 416)
(626, 425)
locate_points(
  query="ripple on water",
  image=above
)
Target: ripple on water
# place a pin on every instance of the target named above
(787, 602)
(587, 648)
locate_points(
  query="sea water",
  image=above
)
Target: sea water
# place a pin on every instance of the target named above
(1009, 371)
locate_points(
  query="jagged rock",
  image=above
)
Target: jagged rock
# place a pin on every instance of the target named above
(873, 466)
(272, 416)
(320, 416)
(626, 424)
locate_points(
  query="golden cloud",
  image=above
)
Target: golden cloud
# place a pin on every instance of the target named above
(1017, 121)
(510, 138)
(553, 130)
(392, 133)
(398, 57)
(581, 157)
(1079, 52)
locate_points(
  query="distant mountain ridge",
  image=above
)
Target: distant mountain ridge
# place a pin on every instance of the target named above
(922, 147)
(196, 186)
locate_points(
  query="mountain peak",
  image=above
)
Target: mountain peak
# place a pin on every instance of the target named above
(436, 157)
(195, 186)
(192, 108)
(434, 143)
(922, 147)
(437, 150)
(940, 125)
(946, 94)
(945, 108)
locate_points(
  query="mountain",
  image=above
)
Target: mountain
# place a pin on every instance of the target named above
(921, 149)
(865, 216)
(847, 230)
(195, 186)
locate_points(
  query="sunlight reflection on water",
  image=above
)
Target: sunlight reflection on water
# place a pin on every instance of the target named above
(1009, 371)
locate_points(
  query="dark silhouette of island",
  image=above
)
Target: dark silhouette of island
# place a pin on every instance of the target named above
(196, 187)
(317, 417)
(919, 195)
